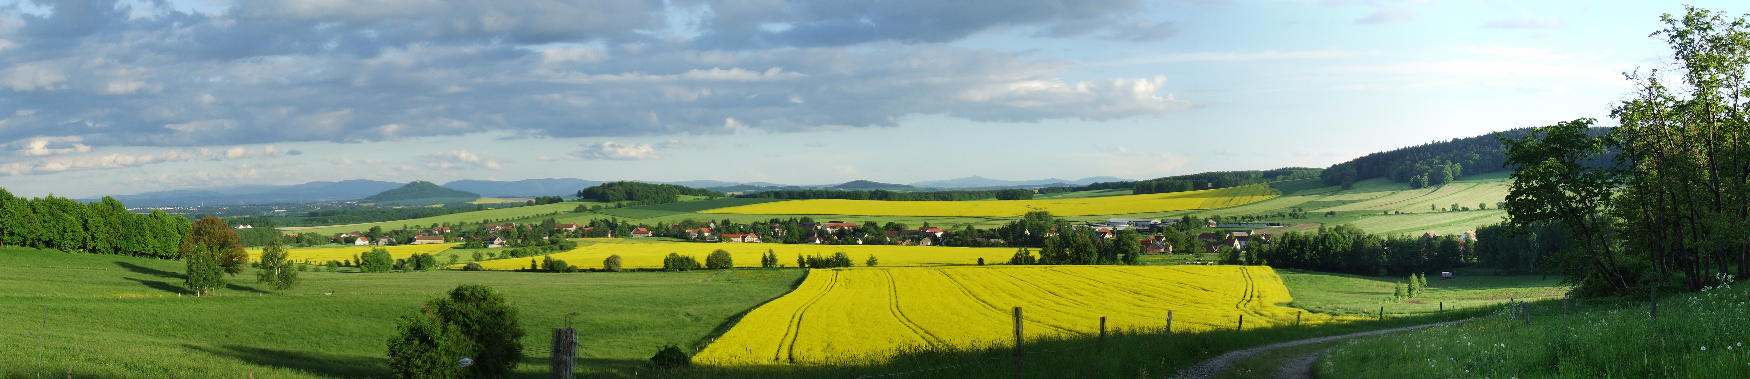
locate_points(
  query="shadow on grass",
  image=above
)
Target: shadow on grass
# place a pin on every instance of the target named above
(151, 271)
(350, 366)
(158, 285)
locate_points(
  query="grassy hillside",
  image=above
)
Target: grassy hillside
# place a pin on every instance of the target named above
(109, 316)
(514, 213)
(1699, 335)
(1364, 295)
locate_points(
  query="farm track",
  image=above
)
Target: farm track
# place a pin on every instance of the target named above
(1208, 368)
(993, 307)
(787, 346)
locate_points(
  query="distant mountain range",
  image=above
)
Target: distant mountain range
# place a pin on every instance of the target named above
(421, 193)
(360, 189)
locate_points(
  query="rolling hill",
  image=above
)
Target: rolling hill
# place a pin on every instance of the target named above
(421, 193)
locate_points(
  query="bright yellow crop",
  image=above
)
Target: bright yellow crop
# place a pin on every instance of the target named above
(319, 255)
(637, 254)
(863, 315)
(1109, 205)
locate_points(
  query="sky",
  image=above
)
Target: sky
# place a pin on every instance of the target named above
(101, 97)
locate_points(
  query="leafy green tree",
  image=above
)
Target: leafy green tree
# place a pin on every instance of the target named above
(1023, 257)
(872, 261)
(719, 260)
(677, 262)
(472, 322)
(212, 234)
(18, 222)
(1553, 183)
(275, 269)
(376, 260)
(204, 271)
(611, 263)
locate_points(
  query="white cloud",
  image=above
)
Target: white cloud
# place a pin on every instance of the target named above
(1248, 56)
(617, 151)
(32, 76)
(458, 159)
(40, 146)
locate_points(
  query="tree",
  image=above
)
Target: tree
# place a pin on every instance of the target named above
(1023, 257)
(376, 260)
(611, 263)
(204, 271)
(769, 259)
(719, 260)
(677, 262)
(1553, 183)
(872, 261)
(213, 235)
(471, 322)
(275, 270)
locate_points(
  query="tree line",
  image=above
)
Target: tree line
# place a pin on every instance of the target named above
(102, 227)
(1435, 163)
(1348, 249)
(1220, 179)
(886, 195)
(1674, 208)
(641, 192)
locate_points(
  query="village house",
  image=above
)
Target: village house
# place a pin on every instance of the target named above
(362, 241)
(495, 242)
(425, 240)
(440, 230)
(1156, 245)
(741, 238)
(833, 226)
(569, 227)
(1106, 233)
(245, 226)
(641, 232)
(931, 230)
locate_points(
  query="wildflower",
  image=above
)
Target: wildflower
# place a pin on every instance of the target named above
(1704, 348)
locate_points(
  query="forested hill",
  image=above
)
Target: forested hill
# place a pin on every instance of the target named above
(421, 193)
(1433, 163)
(1206, 180)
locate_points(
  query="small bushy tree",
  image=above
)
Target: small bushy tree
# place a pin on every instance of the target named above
(275, 270)
(376, 260)
(612, 263)
(719, 260)
(471, 322)
(204, 271)
(473, 266)
(677, 262)
(872, 261)
(670, 356)
(1023, 257)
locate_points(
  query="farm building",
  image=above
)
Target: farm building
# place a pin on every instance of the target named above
(640, 232)
(741, 238)
(424, 240)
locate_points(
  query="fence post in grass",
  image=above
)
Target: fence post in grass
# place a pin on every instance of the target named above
(1017, 356)
(563, 363)
(1382, 313)
(1527, 306)
(1169, 330)
(1242, 324)
(1442, 308)
(1102, 344)
(1297, 317)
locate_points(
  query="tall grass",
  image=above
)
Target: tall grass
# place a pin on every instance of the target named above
(1696, 335)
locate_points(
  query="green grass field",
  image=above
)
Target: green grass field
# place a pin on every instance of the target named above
(1364, 295)
(515, 213)
(110, 316)
(1696, 335)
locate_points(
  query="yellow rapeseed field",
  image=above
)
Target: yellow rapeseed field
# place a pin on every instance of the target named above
(639, 254)
(864, 315)
(1108, 205)
(318, 255)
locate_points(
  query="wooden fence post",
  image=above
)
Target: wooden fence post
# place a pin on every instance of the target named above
(564, 361)
(1169, 323)
(1442, 308)
(1102, 344)
(1382, 313)
(1297, 317)
(1017, 356)
(1242, 324)
(1527, 306)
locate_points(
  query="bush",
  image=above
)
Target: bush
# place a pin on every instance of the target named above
(770, 259)
(872, 261)
(612, 263)
(560, 266)
(670, 356)
(473, 266)
(376, 260)
(1023, 257)
(719, 260)
(479, 256)
(677, 262)
(473, 322)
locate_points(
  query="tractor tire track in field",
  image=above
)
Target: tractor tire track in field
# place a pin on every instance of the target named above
(1248, 290)
(1208, 368)
(893, 307)
(994, 307)
(787, 346)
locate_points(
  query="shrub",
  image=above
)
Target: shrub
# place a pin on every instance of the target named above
(612, 263)
(840, 259)
(719, 260)
(478, 256)
(473, 266)
(560, 266)
(980, 261)
(473, 322)
(677, 262)
(770, 259)
(670, 356)
(423, 262)
(454, 258)
(376, 260)
(872, 261)
(274, 270)
(1023, 257)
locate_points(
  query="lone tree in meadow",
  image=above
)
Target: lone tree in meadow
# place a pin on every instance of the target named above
(719, 260)
(472, 322)
(204, 272)
(611, 263)
(376, 260)
(210, 234)
(275, 269)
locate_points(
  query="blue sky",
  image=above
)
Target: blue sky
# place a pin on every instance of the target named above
(103, 97)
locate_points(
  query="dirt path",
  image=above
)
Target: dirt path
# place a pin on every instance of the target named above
(1209, 367)
(1299, 367)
